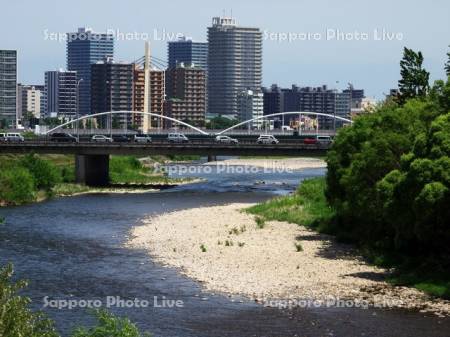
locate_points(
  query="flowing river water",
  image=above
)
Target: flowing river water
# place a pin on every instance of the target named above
(75, 249)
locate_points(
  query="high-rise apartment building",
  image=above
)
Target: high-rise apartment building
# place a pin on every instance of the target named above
(61, 94)
(250, 106)
(8, 87)
(156, 94)
(112, 89)
(85, 48)
(30, 101)
(234, 64)
(186, 94)
(187, 51)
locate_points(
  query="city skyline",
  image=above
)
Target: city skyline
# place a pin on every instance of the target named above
(373, 65)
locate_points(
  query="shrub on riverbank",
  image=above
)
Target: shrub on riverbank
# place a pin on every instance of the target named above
(22, 177)
(16, 318)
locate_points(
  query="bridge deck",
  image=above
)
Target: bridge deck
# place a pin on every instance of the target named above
(163, 148)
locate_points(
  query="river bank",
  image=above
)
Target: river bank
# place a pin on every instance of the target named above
(274, 163)
(231, 251)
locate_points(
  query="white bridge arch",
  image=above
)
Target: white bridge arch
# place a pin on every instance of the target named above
(127, 112)
(300, 113)
(284, 114)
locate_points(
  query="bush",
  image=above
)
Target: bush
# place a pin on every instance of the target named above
(110, 326)
(45, 174)
(16, 185)
(16, 319)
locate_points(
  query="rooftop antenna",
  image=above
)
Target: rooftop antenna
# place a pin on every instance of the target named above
(224, 12)
(231, 12)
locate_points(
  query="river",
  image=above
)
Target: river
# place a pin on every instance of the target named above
(74, 249)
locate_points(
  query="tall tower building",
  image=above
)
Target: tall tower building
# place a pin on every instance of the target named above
(234, 64)
(112, 89)
(8, 87)
(184, 50)
(85, 48)
(61, 94)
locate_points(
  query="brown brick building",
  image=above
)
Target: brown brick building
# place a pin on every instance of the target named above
(186, 94)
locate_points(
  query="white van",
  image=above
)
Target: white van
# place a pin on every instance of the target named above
(14, 137)
(2, 137)
(177, 138)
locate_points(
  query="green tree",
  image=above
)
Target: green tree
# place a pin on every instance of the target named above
(414, 80)
(110, 326)
(16, 319)
(447, 64)
(45, 174)
(16, 185)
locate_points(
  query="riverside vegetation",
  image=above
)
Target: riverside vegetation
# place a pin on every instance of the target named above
(16, 318)
(27, 178)
(387, 187)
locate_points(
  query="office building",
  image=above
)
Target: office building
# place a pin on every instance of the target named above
(112, 86)
(250, 106)
(186, 94)
(234, 64)
(61, 94)
(85, 48)
(8, 88)
(187, 51)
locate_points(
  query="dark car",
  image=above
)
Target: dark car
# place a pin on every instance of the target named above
(63, 138)
(120, 139)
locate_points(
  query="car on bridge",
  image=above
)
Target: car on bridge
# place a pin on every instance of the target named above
(177, 138)
(142, 139)
(63, 138)
(14, 137)
(226, 140)
(324, 140)
(101, 139)
(120, 139)
(267, 139)
(2, 137)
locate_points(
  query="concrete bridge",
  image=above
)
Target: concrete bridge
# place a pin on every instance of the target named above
(92, 159)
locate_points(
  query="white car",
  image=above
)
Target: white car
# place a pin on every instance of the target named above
(14, 137)
(324, 139)
(101, 139)
(177, 138)
(142, 139)
(267, 139)
(226, 140)
(2, 137)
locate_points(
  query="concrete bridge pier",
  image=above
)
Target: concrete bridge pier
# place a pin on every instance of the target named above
(92, 170)
(211, 158)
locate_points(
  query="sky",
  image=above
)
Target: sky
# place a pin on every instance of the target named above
(308, 43)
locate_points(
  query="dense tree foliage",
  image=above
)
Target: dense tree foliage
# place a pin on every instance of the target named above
(447, 65)
(16, 185)
(389, 176)
(45, 174)
(414, 80)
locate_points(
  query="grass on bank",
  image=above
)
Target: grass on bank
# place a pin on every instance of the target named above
(308, 207)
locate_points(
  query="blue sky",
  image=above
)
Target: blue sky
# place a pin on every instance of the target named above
(367, 63)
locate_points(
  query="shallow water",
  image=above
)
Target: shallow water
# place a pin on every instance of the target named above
(74, 248)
